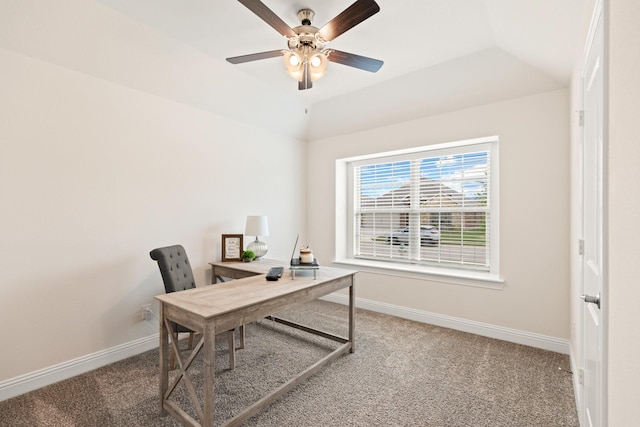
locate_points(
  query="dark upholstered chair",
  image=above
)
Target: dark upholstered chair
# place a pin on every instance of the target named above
(177, 276)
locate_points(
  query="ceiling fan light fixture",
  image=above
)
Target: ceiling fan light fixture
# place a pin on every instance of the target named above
(318, 66)
(293, 63)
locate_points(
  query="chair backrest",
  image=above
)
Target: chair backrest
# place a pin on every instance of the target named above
(174, 267)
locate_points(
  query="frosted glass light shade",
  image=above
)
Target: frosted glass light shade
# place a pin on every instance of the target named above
(318, 63)
(293, 63)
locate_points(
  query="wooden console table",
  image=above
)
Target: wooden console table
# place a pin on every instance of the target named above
(227, 305)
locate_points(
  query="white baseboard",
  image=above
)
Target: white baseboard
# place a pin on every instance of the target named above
(485, 329)
(43, 377)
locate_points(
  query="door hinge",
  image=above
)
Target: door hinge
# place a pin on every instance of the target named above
(581, 118)
(581, 247)
(581, 376)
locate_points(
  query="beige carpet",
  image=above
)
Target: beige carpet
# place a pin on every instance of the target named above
(403, 373)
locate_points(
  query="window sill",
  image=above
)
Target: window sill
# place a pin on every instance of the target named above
(478, 279)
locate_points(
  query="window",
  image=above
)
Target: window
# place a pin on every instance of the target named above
(429, 207)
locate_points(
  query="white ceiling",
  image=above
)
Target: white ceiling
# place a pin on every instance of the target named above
(425, 45)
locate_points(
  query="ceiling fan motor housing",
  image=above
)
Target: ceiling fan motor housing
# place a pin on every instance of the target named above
(307, 34)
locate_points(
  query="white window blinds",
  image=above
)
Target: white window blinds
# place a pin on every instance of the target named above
(430, 207)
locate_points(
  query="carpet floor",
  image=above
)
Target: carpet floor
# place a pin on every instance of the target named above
(403, 373)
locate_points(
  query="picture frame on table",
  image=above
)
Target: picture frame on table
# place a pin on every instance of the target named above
(232, 247)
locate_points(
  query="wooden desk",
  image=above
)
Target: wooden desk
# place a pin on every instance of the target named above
(227, 305)
(240, 270)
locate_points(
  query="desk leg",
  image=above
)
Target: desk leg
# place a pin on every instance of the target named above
(209, 359)
(352, 315)
(164, 360)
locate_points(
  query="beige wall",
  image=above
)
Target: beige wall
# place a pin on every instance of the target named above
(95, 174)
(622, 216)
(534, 212)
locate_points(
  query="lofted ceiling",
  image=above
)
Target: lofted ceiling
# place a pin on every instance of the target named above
(438, 55)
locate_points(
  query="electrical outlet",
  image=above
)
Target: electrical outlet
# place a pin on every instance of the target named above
(145, 311)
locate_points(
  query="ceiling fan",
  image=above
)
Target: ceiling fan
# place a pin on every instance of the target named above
(306, 57)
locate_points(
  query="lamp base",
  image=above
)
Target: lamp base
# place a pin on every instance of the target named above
(259, 248)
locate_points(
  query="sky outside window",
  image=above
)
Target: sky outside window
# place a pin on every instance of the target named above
(465, 173)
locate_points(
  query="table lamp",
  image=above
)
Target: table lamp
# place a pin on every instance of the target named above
(257, 225)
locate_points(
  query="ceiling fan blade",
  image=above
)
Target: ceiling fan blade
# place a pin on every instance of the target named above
(353, 60)
(305, 83)
(267, 15)
(349, 18)
(255, 56)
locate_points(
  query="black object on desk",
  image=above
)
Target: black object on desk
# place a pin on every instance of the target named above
(275, 273)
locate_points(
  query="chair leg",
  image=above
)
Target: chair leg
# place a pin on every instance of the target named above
(232, 349)
(190, 342)
(241, 336)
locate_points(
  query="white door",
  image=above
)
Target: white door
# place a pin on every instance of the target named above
(592, 316)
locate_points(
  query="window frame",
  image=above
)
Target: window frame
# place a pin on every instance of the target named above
(345, 228)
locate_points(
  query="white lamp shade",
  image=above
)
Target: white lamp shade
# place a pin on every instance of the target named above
(257, 225)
